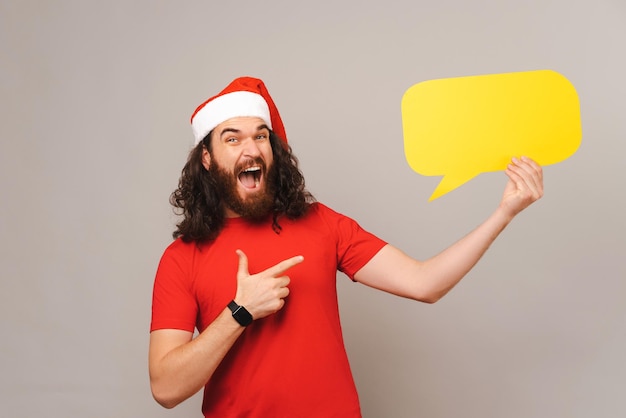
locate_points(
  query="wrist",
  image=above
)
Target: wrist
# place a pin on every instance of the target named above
(503, 215)
(240, 314)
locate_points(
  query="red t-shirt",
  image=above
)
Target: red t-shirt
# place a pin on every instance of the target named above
(289, 364)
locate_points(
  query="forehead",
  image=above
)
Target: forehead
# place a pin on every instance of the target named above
(241, 123)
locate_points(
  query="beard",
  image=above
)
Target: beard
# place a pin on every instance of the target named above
(255, 207)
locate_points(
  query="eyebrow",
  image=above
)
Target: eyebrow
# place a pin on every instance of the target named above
(229, 130)
(236, 131)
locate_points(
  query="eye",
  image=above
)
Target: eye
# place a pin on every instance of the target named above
(231, 140)
(261, 137)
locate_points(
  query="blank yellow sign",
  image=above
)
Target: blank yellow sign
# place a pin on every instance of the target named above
(460, 127)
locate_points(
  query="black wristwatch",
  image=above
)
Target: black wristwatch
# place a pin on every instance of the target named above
(240, 314)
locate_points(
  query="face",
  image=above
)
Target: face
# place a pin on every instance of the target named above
(241, 159)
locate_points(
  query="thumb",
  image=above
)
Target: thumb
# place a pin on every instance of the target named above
(243, 264)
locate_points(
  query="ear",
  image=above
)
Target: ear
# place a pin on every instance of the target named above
(206, 158)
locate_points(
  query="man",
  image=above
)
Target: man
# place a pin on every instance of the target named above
(253, 269)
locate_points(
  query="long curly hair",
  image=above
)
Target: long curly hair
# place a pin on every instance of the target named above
(198, 201)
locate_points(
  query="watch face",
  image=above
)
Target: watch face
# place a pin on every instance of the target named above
(240, 314)
(243, 316)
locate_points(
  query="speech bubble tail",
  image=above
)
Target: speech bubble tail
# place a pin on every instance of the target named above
(449, 183)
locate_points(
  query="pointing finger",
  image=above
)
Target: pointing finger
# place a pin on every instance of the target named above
(284, 265)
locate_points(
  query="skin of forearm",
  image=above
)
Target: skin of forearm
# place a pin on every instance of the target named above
(183, 371)
(439, 274)
(427, 281)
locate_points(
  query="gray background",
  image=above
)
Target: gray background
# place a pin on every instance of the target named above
(96, 100)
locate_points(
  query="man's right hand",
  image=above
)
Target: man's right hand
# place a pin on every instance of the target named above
(263, 294)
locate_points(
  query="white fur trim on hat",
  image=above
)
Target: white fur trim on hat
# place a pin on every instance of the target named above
(230, 105)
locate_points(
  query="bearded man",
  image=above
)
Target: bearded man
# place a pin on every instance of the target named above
(270, 344)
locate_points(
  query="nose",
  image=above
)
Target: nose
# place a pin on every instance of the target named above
(251, 148)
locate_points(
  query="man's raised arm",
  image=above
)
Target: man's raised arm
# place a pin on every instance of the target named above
(395, 272)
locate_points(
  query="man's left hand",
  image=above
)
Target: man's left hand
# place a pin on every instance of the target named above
(525, 185)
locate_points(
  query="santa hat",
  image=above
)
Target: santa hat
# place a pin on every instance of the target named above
(244, 96)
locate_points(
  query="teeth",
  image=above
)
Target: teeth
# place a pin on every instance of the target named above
(251, 169)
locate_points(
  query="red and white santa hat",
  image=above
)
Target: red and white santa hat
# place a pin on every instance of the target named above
(244, 96)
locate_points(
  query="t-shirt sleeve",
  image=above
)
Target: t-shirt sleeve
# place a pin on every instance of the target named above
(174, 305)
(355, 245)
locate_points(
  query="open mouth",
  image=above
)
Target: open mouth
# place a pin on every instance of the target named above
(250, 178)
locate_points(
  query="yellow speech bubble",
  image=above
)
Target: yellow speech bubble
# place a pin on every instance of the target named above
(461, 127)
